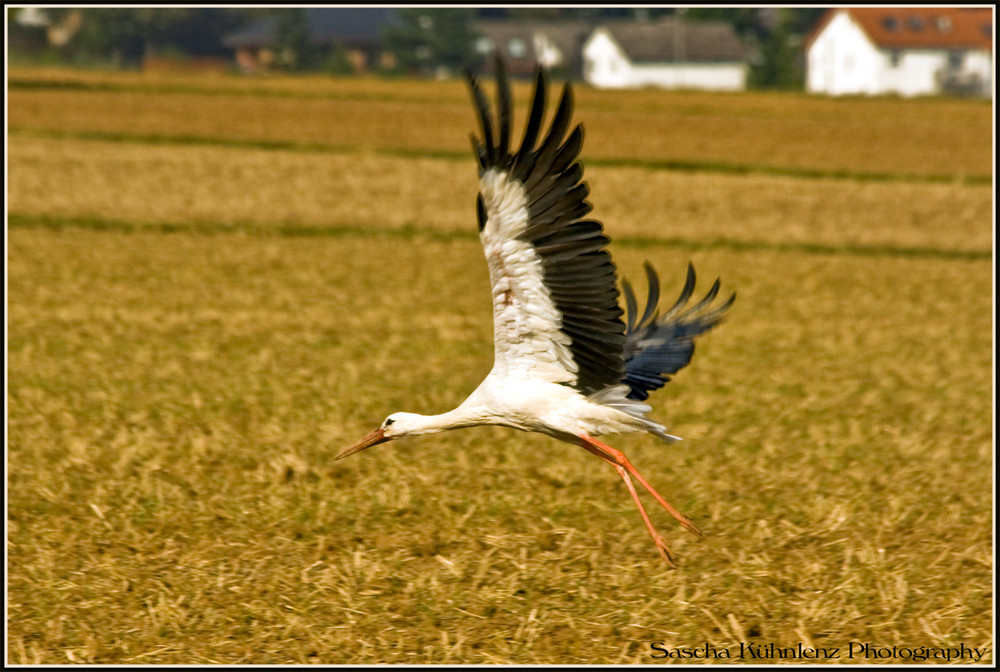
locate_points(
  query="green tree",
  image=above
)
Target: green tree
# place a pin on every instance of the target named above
(428, 39)
(124, 34)
(118, 34)
(337, 61)
(774, 38)
(779, 63)
(291, 40)
(591, 14)
(746, 21)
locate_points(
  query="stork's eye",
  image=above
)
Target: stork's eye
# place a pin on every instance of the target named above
(388, 421)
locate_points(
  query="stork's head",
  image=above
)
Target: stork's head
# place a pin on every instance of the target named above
(396, 426)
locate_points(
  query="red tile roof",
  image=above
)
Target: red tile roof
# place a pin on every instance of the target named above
(920, 27)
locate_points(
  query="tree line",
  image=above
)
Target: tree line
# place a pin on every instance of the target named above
(423, 40)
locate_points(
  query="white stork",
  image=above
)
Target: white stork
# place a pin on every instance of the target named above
(565, 364)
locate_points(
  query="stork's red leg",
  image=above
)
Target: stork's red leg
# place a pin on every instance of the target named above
(618, 458)
(658, 539)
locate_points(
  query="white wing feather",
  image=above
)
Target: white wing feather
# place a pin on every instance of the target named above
(526, 323)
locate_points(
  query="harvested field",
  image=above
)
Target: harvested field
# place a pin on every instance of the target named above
(195, 329)
(938, 139)
(216, 186)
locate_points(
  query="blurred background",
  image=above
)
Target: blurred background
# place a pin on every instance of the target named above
(907, 51)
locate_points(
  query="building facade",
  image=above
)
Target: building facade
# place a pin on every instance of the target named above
(666, 54)
(902, 51)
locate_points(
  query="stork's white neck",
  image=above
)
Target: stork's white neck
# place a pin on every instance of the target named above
(414, 424)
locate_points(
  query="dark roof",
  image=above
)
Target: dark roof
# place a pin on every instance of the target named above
(656, 42)
(919, 27)
(353, 26)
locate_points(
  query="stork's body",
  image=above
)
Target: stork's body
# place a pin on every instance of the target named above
(565, 363)
(529, 404)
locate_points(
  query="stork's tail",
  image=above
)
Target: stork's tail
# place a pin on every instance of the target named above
(617, 397)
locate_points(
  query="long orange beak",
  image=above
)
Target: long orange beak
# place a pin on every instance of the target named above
(373, 439)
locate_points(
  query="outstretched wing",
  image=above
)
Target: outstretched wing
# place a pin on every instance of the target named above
(555, 301)
(657, 347)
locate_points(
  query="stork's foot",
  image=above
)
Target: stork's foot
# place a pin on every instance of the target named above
(689, 526)
(664, 548)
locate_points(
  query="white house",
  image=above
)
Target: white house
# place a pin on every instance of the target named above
(669, 54)
(909, 51)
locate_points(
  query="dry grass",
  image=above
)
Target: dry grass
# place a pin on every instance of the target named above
(794, 132)
(209, 83)
(174, 400)
(212, 186)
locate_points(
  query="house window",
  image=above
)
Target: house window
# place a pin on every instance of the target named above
(517, 48)
(944, 23)
(894, 56)
(915, 23)
(955, 59)
(890, 23)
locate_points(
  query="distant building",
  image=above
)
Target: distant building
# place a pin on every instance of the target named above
(908, 51)
(669, 54)
(557, 45)
(356, 29)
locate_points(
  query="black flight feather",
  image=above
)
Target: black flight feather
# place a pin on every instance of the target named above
(658, 347)
(572, 250)
(642, 351)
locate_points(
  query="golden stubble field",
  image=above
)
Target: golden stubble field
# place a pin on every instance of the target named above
(194, 330)
(880, 136)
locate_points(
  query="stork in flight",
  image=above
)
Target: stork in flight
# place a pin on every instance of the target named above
(565, 363)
